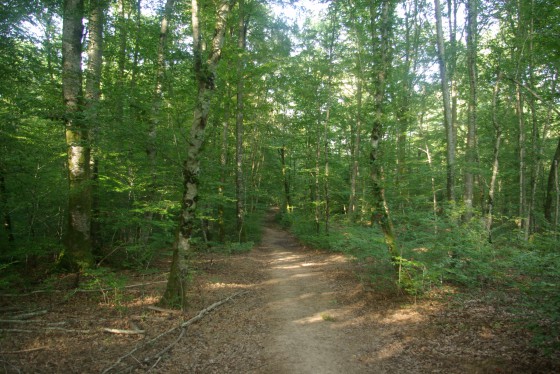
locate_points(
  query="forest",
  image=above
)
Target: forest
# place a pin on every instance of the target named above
(421, 138)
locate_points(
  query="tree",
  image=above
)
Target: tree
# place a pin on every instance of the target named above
(205, 73)
(77, 255)
(239, 182)
(92, 97)
(447, 114)
(472, 32)
(381, 213)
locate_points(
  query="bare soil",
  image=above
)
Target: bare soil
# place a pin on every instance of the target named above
(303, 311)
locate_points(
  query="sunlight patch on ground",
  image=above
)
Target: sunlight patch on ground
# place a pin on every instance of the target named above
(403, 316)
(228, 285)
(146, 300)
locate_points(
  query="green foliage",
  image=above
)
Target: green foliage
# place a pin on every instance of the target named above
(109, 283)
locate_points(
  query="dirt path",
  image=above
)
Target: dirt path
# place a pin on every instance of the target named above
(306, 319)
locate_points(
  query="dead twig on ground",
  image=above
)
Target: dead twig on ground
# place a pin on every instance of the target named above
(182, 326)
(80, 290)
(124, 332)
(59, 329)
(23, 351)
(163, 310)
(28, 315)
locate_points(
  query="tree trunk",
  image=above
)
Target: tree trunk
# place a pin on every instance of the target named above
(552, 182)
(381, 213)
(157, 98)
(7, 218)
(92, 96)
(330, 58)
(449, 130)
(287, 196)
(495, 162)
(205, 74)
(356, 129)
(239, 183)
(452, 9)
(77, 255)
(471, 109)
(223, 165)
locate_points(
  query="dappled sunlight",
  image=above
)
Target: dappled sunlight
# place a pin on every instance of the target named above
(218, 285)
(142, 301)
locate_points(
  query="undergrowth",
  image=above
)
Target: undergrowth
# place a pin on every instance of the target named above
(443, 251)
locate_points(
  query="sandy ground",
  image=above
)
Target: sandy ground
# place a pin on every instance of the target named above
(303, 311)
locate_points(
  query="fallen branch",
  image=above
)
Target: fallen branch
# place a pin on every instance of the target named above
(28, 315)
(79, 290)
(60, 329)
(124, 332)
(23, 351)
(163, 310)
(124, 287)
(203, 312)
(24, 322)
(28, 293)
(160, 354)
(183, 325)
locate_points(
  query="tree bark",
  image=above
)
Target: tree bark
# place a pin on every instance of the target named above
(205, 74)
(77, 255)
(381, 212)
(471, 107)
(287, 196)
(92, 96)
(7, 218)
(157, 99)
(447, 114)
(495, 162)
(223, 164)
(356, 129)
(239, 182)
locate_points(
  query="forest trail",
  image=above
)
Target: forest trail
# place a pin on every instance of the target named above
(307, 323)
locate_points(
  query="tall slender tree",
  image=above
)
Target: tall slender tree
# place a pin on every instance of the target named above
(92, 93)
(472, 46)
(239, 182)
(383, 55)
(447, 113)
(78, 254)
(205, 64)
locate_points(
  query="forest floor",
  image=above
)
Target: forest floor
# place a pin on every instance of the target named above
(287, 309)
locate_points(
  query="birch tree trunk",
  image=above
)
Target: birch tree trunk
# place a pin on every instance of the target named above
(77, 255)
(447, 114)
(205, 74)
